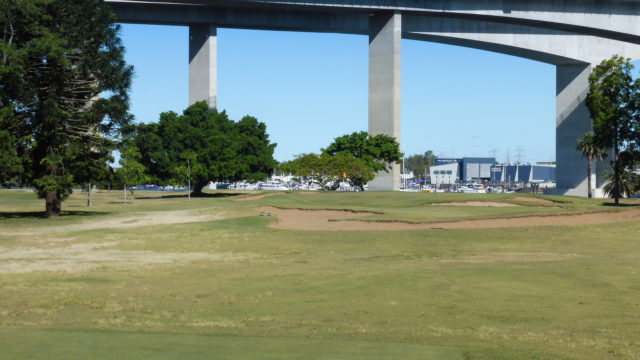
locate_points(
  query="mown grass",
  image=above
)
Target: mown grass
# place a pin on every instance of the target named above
(422, 207)
(524, 293)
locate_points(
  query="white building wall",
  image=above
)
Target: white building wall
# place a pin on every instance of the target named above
(444, 174)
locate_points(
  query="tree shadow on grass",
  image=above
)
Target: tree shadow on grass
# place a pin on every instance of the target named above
(42, 215)
(184, 196)
(621, 205)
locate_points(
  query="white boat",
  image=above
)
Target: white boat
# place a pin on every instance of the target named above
(245, 186)
(272, 185)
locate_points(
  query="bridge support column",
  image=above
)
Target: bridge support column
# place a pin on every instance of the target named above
(572, 121)
(385, 32)
(203, 63)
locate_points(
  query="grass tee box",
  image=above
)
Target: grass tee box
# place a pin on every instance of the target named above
(166, 278)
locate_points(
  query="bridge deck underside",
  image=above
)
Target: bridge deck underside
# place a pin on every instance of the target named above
(615, 20)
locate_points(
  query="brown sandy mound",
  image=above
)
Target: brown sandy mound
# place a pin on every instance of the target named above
(296, 219)
(476, 203)
(534, 200)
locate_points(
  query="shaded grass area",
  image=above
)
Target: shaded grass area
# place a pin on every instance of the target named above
(42, 214)
(531, 293)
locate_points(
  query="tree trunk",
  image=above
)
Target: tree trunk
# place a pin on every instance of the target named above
(616, 175)
(53, 205)
(589, 178)
(197, 189)
(125, 193)
(89, 195)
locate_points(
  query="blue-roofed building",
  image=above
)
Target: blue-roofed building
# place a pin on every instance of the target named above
(476, 168)
(544, 173)
(484, 169)
(523, 173)
(467, 169)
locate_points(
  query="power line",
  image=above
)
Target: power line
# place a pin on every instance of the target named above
(493, 152)
(519, 154)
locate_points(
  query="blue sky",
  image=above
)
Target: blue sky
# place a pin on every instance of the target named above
(310, 88)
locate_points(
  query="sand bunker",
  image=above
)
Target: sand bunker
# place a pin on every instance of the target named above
(296, 219)
(83, 257)
(476, 203)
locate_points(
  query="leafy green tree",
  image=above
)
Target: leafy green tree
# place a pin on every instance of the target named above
(183, 172)
(153, 153)
(589, 147)
(420, 163)
(221, 148)
(378, 152)
(613, 102)
(304, 166)
(56, 59)
(91, 166)
(329, 171)
(131, 172)
(253, 158)
(10, 163)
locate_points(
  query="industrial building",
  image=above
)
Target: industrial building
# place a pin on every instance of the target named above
(449, 171)
(523, 173)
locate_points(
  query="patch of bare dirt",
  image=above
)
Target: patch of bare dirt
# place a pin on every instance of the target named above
(83, 257)
(476, 203)
(133, 220)
(296, 219)
(254, 197)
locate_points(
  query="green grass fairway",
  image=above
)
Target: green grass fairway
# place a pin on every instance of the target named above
(168, 278)
(29, 344)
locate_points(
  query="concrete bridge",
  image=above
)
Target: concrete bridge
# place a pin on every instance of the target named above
(573, 35)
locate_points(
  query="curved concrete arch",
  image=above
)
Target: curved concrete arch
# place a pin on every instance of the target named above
(546, 45)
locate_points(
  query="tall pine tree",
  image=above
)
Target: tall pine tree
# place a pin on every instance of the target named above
(64, 90)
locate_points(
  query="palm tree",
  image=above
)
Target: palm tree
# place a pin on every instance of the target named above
(625, 183)
(589, 147)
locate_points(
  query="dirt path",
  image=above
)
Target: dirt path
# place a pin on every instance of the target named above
(88, 256)
(296, 219)
(254, 197)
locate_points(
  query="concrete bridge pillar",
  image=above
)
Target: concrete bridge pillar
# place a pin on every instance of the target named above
(385, 35)
(203, 63)
(572, 121)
